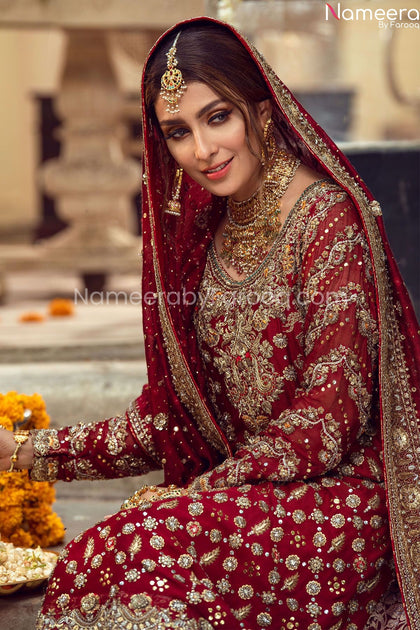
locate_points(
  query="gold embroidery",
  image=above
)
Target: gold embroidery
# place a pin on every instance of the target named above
(142, 431)
(398, 405)
(117, 435)
(160, 421)
(244, 360)
(44, 441)
(183, 381)
(139, 613)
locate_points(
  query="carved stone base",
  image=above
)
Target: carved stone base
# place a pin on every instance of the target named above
(92, 181)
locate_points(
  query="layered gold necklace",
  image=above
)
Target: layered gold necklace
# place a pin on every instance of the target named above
(254, 224)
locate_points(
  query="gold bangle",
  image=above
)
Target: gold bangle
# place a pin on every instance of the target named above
(171, 494)
(137, 501)
(20, 438)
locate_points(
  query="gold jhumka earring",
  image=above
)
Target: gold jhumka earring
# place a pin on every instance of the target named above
(269, 142)
(172, 81)
(174, 205)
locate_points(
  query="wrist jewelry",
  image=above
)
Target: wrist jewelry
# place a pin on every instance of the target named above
(170, 492)
(20, 438)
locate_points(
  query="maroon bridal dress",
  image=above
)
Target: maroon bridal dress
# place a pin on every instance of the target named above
(286, 405)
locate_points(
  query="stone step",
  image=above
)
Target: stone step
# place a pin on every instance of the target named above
(77, 390)
(105, 325)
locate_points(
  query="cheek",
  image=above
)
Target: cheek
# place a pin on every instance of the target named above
(181, 153)
(238, 142)
(237, 137)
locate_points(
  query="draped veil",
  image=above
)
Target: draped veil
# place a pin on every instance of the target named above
(174, 253)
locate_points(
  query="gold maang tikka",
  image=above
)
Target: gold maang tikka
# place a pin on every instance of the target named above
(172, 81)
(174, 205)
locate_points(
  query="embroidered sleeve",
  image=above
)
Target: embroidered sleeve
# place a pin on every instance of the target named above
(116, 447)
(331, 405)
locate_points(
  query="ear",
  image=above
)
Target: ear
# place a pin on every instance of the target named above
(265, 109)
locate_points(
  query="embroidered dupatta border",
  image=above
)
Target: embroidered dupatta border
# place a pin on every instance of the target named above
(399, 416)
(182, 379)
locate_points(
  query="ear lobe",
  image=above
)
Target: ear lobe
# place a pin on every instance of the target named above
(265, 109)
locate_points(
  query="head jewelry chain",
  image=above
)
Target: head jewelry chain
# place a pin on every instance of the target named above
(172, 81)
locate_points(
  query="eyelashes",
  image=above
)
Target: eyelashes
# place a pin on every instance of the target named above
(215, 119)
(177, 134)
(221, 116)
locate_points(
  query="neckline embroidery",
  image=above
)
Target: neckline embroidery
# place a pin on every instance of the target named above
(226, 279)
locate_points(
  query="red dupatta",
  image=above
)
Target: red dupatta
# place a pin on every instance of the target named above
(173, 262)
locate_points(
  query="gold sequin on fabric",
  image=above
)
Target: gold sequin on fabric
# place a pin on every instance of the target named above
(235, 552)
(92, 450)
(398, 381)
(240, 326)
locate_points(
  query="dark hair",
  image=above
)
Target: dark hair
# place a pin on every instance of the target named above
(210, 53)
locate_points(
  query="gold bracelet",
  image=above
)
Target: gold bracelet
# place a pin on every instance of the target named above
(171, 494)
(20, 438)
(137, 501)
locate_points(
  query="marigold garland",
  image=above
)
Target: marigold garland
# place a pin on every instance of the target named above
(26, 515)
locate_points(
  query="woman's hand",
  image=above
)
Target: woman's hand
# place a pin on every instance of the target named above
(152, 493)
(7, 448)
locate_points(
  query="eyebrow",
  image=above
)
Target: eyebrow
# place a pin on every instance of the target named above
(203, 110)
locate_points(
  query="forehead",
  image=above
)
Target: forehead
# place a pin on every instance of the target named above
(196, 96)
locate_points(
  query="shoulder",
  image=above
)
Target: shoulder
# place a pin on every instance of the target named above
(323, 214)
(314, 198)
(311, 192)
(304, 178)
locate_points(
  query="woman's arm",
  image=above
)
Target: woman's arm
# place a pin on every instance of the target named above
(116, 447)
(332, 401)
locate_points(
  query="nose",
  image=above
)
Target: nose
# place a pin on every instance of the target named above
(204, 147)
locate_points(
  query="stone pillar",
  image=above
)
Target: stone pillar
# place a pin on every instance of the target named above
(92, 181)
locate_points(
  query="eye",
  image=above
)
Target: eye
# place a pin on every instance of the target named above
(176, 134)
(220, 117)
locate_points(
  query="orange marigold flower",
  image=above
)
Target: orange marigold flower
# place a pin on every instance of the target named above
(26, 515)
(6, 423)
(11, 406)
(61, 307)
(28, 411)
(45, 526)
(10, 520)
(20, 538)
(31, 316)
(39, 494)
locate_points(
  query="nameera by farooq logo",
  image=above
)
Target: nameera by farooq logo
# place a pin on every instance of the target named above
(355, 15)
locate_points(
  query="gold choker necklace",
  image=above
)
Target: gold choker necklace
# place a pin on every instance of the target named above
(254, 224)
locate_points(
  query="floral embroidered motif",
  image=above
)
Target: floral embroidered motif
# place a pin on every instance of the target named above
(242, 540)
(139, 613)
(88, 451)
(243, 327)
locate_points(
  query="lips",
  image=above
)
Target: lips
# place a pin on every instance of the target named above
(218, 171)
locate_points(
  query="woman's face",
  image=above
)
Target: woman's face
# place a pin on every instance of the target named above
(207, 139)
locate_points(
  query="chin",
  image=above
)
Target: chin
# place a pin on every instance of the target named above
(219, 191)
